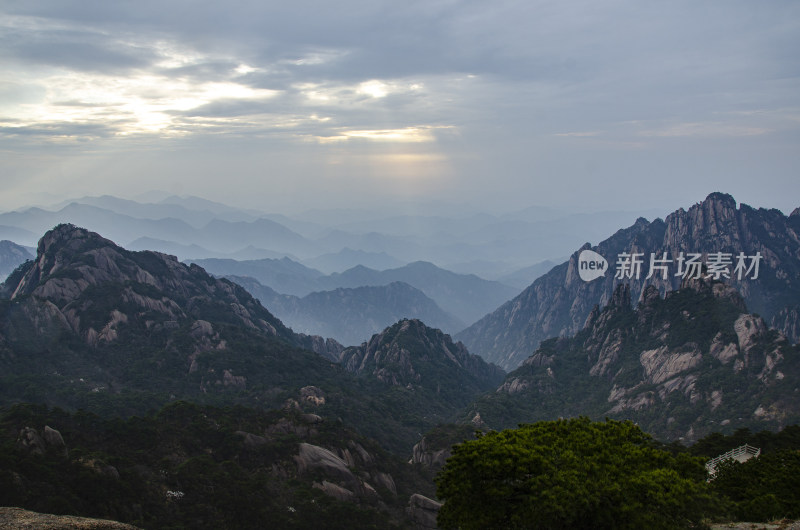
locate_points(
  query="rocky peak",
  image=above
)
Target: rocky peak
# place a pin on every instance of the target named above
(560, 302)
(411, 353)
(98, 288)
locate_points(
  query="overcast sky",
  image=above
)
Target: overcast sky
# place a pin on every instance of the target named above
(495, 105)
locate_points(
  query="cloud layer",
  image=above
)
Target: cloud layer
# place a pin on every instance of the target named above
(349, 102)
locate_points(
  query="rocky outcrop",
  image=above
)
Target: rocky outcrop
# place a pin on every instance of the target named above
(328, 348)
(403, 353)
(19, 519)
(341, 481)
(430, 457)
(50, 440)
(559, 303)
(423, 511)
(315, 458)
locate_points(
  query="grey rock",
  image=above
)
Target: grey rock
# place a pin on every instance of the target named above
(423, 511)
(30, 440)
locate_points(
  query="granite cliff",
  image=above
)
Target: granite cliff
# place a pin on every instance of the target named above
(681, 366)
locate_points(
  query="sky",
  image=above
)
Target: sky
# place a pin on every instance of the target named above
(490, 106)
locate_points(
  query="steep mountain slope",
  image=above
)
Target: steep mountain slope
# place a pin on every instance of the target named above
(681, 366)
(410, 354)
(11, 257)
(559, 302)
(351, 316)
(89, 311)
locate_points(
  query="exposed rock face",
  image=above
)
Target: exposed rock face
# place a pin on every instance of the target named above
(558, 303)
(313, 395)
(328, 348)
(19, 519)
(678, 365)
(54, 440)
(30, 440)
(313, 457)
(431, 458)
(787, 321)
(341, 481)
(410, 353)
(50, 440)
(72, 262)
(423, 511)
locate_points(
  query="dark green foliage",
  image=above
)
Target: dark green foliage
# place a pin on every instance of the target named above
(190, 466)
(716, 443)
(571, 474)
(764, 488)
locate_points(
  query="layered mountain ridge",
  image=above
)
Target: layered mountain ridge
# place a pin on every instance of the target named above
(411, 354)
(558, 303)
(351, 315)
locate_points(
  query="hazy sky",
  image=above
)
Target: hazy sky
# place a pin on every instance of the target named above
(284, 106)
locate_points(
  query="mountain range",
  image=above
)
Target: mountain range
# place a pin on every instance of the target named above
(159, 381)
(11, 257)
(464, 296)
(91, 325)
(332, 240)
(558, 303)
(351, 315)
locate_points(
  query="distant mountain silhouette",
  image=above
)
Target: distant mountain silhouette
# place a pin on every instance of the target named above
(351, 315)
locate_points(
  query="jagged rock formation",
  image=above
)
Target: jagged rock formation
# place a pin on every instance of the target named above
(681, 366)
(351, 315)
(787, 320)
(412, 355)
(423, 512)
(558, 303)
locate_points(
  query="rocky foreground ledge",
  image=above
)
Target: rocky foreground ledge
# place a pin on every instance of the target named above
(19, 519)
(776, 525)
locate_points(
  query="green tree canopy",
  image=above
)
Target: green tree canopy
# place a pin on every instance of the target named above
(763, 488)
(571, 474)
